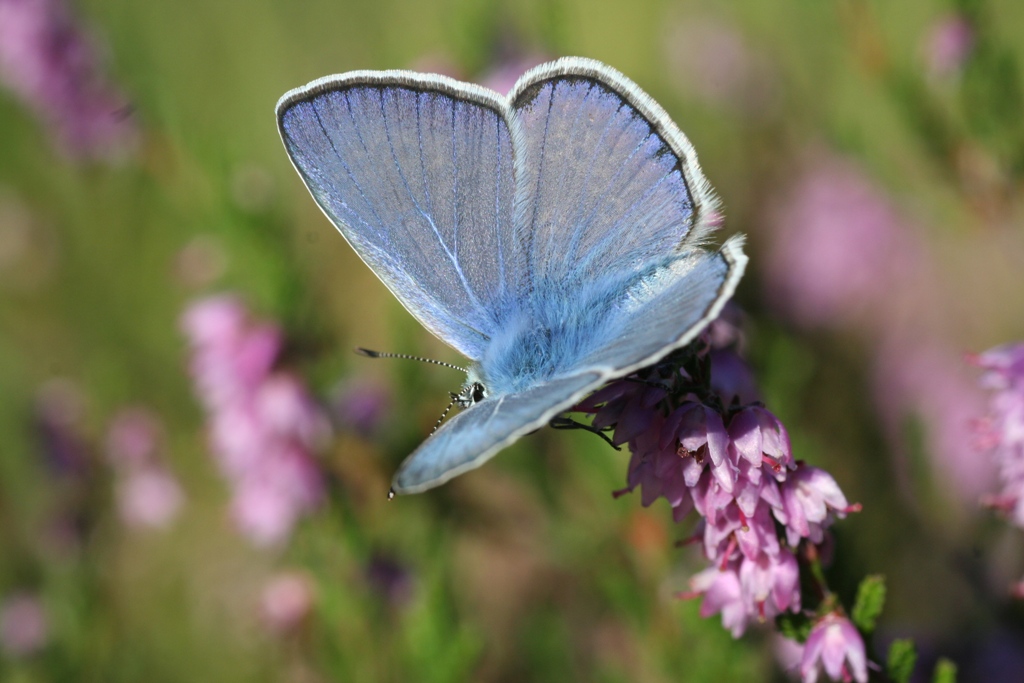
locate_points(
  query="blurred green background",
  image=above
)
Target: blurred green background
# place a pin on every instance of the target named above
(525, 570)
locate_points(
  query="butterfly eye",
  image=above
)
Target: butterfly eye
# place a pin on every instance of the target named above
(478, 392)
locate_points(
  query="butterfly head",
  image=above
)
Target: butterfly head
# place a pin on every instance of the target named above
(473, 391)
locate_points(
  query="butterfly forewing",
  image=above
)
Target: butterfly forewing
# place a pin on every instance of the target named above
(603, 177)
(416, 172)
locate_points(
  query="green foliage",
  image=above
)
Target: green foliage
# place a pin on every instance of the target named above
(794, 626)
(901, 661)
(869, 603)
(945, 672)
(902, 657)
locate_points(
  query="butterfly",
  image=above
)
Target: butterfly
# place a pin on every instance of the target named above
(557, 236)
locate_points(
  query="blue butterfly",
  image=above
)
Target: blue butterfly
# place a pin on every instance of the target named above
(554, 236)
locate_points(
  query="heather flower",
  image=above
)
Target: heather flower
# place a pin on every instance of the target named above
(927, 381)
(200, 262)
(148, 495)
(835, 646)
(133, 438)
(60, 408)
(263, 424)
(390, 579)
(24, 626)
(811, 498)
(1002, 432)
(286, 601)
(722, 593)
(360, 406)
(503, 75)
(839, 246)
(711, 60)
(948, 44)
(149, 498)
(731, 462)
(52, 64)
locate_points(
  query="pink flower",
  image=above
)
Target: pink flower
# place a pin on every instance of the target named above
(712, 61)
(722, 593)
(149, 498)
(834, 645)
(925, 380)
(148, 495)
(502, 76)
(264, 426)
(948, 44)
(770, 584)
(360, 406)
(839, 246)
(24, 626)
(810, 499)
(51, 64)
(1002, 432)
(286, 602)
(133, 438)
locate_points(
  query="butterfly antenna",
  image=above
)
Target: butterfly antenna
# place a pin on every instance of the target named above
(380, 354)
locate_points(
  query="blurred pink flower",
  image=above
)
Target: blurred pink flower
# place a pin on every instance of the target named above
(948, 44)
(133, 437)
(839, 247)
(200, 262)
(263, 424)
(502, 76)
(360, 405)
(51, 63)
(710, 59)
(24, 626)
(390, 579)
(286, 602)
(59, 413)
(1002, 431)
(149, 498)
(148, 495)
(788, 653)
(923, 379)
(835, 646)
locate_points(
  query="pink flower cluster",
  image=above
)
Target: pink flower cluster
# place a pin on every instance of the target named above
(736, 470)
(48, 61)
(264, 425)
(704, 449)
(1002, 431)
(148, 495)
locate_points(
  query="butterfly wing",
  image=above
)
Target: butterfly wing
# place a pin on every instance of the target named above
(605, 181)
(416, 172)
(667, 311)
(475, 435)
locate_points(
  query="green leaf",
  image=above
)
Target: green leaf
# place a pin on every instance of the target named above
(793, 626)
(869, 603)
(902, 657)
(945, 672)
